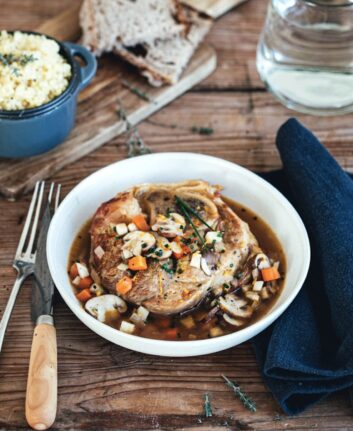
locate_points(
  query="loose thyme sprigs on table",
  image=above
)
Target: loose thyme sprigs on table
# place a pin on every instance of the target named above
(207, 406)
(201, 130)
(137, 91)
(134, 142)
(244, 398)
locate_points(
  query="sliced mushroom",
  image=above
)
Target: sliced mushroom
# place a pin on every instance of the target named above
(135, 243)
(252, 295)
(232, 321)
(169, 226)
(100, 305)
(262, 261)
(205, 267)
(234, 306)
(162, 249)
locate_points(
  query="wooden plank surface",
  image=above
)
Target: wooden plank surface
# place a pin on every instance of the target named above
(104, 387)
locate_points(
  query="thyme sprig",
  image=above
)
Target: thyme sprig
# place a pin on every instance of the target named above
(135, 143)
(207, 406)
(137, 91)
(192, 211)
(188, 218)
(244, 398)
(201, 130)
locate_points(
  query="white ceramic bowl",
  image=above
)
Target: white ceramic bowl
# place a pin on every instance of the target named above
(239, 184)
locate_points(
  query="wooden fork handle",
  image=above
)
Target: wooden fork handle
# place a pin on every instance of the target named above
(41, 397)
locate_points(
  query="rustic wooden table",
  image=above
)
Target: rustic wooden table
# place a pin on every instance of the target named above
(102, 386)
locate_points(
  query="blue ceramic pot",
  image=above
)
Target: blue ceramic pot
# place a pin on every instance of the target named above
(29, 132)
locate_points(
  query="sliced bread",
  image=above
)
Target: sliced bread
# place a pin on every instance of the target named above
(128, 22)
(164, 60)
(157, 36)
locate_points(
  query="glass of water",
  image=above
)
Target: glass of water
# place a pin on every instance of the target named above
(305, 55)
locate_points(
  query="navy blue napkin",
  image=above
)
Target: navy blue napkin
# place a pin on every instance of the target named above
(308, 352)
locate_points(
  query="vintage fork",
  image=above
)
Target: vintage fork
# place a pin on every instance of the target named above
(25, 255)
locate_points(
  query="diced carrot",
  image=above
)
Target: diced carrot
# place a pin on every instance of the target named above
(85, 283)
(163, 322)
(269, 274)
(73, 271)
(141, 223)
(124, 285)
(84, 295)
(137, 263)
(184, 249)
(171, 333)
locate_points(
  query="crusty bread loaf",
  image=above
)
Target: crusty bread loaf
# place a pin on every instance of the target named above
(129, 22)
(157, 36)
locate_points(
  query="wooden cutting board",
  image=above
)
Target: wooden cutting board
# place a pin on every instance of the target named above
(213, 8)
(97, 114)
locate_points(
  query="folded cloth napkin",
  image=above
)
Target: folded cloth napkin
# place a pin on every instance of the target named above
(308, 352)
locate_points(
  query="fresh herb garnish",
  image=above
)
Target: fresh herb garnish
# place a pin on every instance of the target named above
(244, 398)
(192, 211)
(167, 268)
(188, 218)
(207, 406)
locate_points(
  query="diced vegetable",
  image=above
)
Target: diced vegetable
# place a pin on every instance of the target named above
(127, 254)
(141, 223)
(196, 260)
(136, 319)
(76, 281)
(252, 295)
(127, 327)
(120, 229)
(82, 270)
(269, 274)
(132, 227)
(216, 331)
(138, 263)
(73, 271)
(188, 322)
(84, 295)
(99, 252)
(143, 312)
(257, 286)
(122, 267)
(124, 285)
(163, 322)
(171, 333)
(179, 248)
(85, 283)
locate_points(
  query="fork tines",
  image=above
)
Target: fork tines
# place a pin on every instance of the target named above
(36, 208)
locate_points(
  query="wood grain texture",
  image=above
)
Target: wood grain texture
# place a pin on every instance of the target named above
(105, 387)
(42, 383)
(213, 8)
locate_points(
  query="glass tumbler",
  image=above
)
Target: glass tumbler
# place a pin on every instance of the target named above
(305, 55)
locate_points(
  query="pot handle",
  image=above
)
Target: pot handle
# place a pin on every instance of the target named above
(89, 70)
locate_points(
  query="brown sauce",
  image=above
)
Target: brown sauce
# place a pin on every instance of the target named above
(172, 328)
